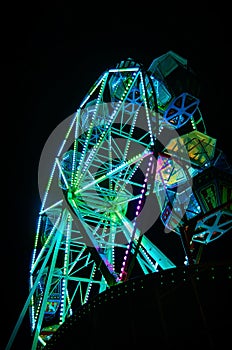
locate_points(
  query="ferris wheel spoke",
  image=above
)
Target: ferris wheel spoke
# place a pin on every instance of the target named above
(101, 139)
(124, 178)
(91, 126)
(113, 172)
(56, 204)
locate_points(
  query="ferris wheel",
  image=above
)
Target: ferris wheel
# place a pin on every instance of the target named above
(134, 151)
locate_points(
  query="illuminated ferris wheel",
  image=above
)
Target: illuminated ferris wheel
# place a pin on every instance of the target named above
(135, 151)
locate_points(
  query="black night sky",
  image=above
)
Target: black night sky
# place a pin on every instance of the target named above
(50, 64)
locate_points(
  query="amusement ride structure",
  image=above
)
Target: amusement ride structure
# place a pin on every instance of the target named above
(136, 152)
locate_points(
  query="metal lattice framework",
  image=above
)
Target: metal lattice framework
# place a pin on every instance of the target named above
(137, 139)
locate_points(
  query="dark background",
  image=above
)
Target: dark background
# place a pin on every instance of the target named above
(52, 56)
